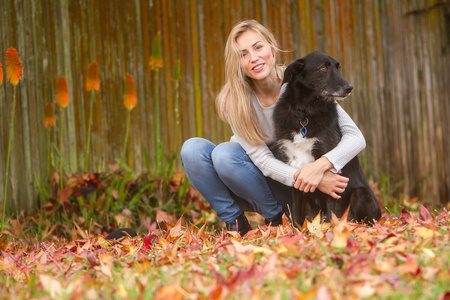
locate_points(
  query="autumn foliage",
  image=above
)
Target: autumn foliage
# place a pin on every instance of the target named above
(13, 66)
(399, 257)
(62, 92)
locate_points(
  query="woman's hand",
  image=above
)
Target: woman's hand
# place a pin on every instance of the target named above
(316, 175)
(332, 184)
(308, 177)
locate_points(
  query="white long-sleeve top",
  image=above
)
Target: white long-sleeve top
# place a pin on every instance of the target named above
(352, 142)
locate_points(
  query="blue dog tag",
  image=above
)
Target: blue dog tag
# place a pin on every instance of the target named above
(303, 132)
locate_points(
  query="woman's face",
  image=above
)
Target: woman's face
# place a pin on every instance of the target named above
(257, 59)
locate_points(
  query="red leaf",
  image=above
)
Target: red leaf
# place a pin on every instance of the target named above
(64, 197)
(91, 259)
(150, 240)
(406, 216)
(425, 214)
(441, 216)
(444, 296)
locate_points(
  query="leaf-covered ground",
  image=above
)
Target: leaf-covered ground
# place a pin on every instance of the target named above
(402, 257)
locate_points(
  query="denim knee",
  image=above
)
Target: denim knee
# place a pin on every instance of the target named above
(195, 148)
(226, 157)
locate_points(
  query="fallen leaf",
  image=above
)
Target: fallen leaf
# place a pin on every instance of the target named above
(171, 292)
(315, 227)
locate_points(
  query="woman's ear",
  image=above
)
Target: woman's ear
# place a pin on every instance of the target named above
(293, 69)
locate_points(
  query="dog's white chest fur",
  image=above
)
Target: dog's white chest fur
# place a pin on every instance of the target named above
(298, 151)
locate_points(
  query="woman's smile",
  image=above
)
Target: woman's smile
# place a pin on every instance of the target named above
(257, 59)
(258, 68)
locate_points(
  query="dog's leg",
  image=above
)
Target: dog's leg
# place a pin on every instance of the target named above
(364, 206)
(331, 206)
(296, 210)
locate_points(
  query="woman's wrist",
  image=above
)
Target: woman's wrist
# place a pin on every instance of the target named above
(323, 164)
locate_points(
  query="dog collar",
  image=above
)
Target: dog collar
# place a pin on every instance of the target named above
(303, 130)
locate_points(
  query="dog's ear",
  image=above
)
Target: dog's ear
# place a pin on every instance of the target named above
(293, 69)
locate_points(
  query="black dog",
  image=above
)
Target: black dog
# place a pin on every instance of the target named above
(306, 127)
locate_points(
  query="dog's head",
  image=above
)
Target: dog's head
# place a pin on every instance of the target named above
(319, 74)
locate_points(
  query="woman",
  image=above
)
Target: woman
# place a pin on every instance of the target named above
(243, 175)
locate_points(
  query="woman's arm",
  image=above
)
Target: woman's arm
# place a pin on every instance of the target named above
(329, 183)
(352, 142)
(264, 160)
(309, 177)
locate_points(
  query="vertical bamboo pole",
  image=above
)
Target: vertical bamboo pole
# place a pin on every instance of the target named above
(196, 64)
(25, 166)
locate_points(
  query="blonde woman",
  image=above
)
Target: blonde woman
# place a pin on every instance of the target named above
(243, 175)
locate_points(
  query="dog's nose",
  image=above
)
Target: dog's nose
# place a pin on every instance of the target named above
(349, 89)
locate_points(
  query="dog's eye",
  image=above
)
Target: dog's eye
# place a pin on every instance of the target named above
(338, 66)
(324, 68)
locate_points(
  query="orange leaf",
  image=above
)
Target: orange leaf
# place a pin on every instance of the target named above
(176, 231)
(14, 69)
(409, 267)
(49, 118)
(130, 97)
(93, 79)
(169, 292)
(340, 238)
(164, 216)
(62, 92)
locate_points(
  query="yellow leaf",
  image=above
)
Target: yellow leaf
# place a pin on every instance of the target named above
(424, 232)
(121, 292)
(52, 286)
(384, 267)
(262, 250)
(315, 227)
(246, 259)
(163, 243)
(429, 253)
(102, 242)
(390, 240)
(281, 249)
(325, 226)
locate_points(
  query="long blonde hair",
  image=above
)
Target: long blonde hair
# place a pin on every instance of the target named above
(233, 103)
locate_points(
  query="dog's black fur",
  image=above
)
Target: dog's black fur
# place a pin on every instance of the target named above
(314, 82)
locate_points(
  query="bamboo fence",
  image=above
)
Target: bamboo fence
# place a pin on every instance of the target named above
(395, 53)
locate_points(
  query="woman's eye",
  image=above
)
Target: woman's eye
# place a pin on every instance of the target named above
(244, 54)
(258, 47)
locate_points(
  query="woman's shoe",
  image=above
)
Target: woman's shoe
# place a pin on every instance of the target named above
(240, 225)
(275, 221)
(119, 233)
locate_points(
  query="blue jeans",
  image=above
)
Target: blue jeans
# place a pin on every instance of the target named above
(230, 182)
